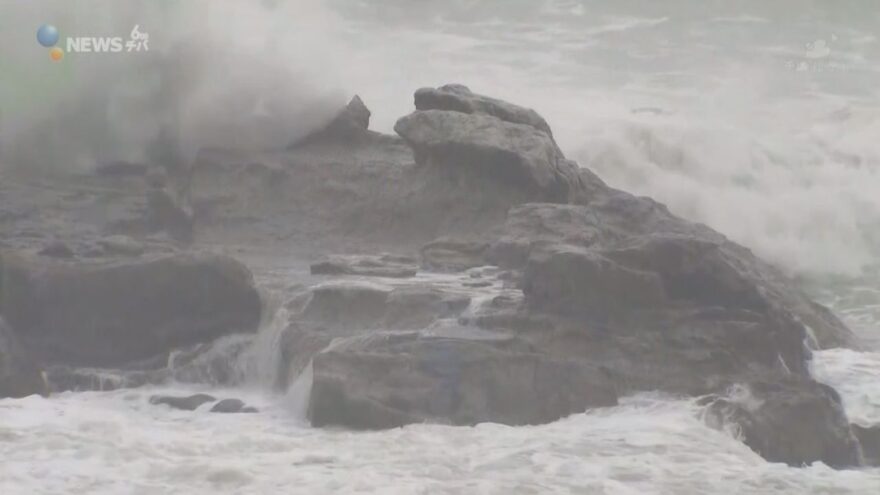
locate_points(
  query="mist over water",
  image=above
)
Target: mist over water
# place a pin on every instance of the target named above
(759, 120)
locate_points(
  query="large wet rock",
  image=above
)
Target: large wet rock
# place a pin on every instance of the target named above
(389, 380)
(795, 421)
(19, 374)
(112, 313)
(628, 252)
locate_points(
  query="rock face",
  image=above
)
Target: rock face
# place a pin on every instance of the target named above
(107, 314)
(344, 309)
(19, 374)
(794, 421)
(390, 380)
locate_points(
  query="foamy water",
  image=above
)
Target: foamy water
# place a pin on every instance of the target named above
(118, 443)
(759, 120)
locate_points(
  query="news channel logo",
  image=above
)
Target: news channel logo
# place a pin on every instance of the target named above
(49, 36)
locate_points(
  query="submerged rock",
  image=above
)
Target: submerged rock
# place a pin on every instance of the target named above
(107, 314)
(869, 438)
(795, 421)
(19, 374)
(232, 406)
(186, 403)
(389, 380)
(121, 245)
(384, 265)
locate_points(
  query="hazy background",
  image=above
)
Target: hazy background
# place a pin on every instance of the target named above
(757, 118)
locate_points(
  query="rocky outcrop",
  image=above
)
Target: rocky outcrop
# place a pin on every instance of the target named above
(388, 380)
(385, 265)
(111, 313)
(349, 125)
(628, 238)
(19, 374)
(518, 155)
(795, 421)
(459, 98)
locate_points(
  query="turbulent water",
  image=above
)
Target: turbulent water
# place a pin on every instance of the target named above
(757, 118)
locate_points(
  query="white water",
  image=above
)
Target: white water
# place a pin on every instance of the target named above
(111, 443)
(733, 115)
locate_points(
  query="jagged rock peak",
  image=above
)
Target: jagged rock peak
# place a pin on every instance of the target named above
(459, 98)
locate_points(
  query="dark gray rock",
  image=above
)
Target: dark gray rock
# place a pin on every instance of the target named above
(576, 281)
(232, 406)
(869, 438)
(795, 421)
(112, 313)
(19, 374)
(389, 380)
(384, 265)
(636, 237)
(187, 403)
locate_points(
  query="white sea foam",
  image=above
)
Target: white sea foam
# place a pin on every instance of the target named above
(118, 443)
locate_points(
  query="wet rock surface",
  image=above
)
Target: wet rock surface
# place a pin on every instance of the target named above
(794, 421)
(389, 380)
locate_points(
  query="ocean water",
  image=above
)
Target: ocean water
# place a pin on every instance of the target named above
(759, 119)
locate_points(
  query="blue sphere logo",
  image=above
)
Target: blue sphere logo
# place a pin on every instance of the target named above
(47, 35)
